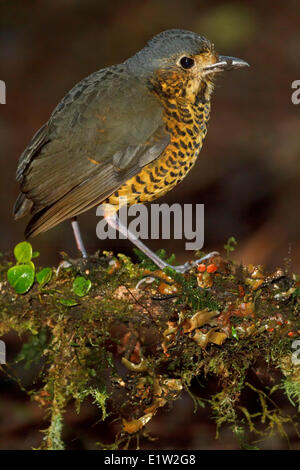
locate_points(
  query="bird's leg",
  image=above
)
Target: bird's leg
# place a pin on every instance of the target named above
(79, 243)
(114, 221)
(78, 237)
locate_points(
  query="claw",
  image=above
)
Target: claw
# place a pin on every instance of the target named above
(183, 268)
(63, 265)
(148, 280)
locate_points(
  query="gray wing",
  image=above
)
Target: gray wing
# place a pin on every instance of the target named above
(101, 134)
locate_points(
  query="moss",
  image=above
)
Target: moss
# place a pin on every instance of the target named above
(166, 332)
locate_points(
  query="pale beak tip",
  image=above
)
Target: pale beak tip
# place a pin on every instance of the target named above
(240, 63)
(233, 62)
(226, 63)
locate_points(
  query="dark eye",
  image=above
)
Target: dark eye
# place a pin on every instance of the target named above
(187, 62)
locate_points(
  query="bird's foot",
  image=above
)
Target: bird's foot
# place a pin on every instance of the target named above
(65, 264)
(183, 268)
(84, 263)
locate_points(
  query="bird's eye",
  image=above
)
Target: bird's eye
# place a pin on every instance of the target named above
(187, 62)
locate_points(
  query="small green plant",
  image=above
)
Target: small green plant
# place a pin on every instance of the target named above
(44, 276)
(146, 263)
(81, 286)
(230, 245)
(21, 275)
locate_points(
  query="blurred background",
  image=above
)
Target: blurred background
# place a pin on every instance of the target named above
(248, 171)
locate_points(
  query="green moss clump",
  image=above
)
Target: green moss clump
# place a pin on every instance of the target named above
(219, 321)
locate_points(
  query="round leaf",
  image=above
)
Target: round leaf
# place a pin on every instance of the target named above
(21, 277)
(23, 252)
(68, 302)
(44, 276)
(81, 286)
(31, 265)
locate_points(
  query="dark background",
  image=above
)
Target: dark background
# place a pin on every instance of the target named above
(247, 174)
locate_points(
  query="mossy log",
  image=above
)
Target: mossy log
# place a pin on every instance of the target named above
(138, 337)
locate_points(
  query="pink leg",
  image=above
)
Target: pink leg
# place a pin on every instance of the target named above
(78, 238)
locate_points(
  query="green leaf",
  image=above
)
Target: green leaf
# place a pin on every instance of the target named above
(230, 245)
(30, 264)
(44, 276)
(35, 254)
(81, 286)
(68, 302)
(21, 277)
(234, 333)
(296, 294)
(23, 252)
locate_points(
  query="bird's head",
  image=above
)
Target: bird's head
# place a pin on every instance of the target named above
(180, 63)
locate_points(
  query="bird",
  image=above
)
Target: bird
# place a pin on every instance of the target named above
(131, 131)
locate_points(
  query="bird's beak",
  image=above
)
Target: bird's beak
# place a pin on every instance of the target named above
(225, 63)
